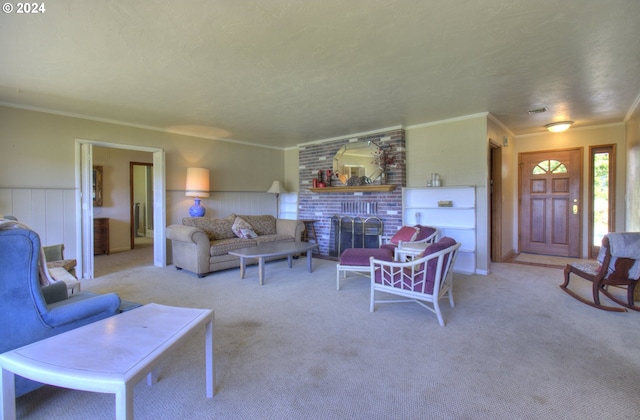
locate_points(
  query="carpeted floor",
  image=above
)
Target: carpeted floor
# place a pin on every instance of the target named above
(514, 347)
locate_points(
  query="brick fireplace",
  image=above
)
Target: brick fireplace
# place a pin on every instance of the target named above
(322, 207)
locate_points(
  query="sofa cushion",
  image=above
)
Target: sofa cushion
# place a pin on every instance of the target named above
(243, 229)
(223, 246)
(273, 238)
(214, 228)
(262, 225)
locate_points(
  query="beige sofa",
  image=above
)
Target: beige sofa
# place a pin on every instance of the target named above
(201, 244)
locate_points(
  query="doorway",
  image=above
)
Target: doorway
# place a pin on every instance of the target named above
(84, 204)
(495, 202)
(550, 202)
(141, 203)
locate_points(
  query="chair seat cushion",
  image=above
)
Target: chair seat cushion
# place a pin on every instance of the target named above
(360, 256)
(587, 267)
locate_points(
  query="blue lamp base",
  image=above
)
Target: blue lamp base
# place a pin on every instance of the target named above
(197, 210)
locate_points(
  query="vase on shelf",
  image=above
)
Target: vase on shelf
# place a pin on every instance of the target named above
(383, 178)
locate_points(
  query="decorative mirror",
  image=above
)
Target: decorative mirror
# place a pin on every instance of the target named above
(97, 186)
(357, 160)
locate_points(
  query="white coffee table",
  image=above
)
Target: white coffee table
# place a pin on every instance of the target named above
(109, 356)
(288, 249)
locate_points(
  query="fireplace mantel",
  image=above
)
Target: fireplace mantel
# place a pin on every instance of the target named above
(359, 188)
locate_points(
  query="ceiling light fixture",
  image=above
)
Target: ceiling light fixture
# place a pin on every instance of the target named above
(558, 127)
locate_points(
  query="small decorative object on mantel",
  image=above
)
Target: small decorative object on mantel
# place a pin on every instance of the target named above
(384, 159)
(434, 181)
(354, 181)
(328, 178)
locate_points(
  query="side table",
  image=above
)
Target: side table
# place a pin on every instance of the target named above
(309, 232)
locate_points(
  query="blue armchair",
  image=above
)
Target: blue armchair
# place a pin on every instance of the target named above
(30, 312)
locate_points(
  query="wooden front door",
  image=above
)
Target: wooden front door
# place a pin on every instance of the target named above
(550, 202)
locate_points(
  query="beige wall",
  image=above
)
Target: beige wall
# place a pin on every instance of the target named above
(37, 172)
(38, 151)
(458, 151)
(583, 138)
(633, 174)
(292, 170)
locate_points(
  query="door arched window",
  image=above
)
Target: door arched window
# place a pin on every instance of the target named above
(549, 166)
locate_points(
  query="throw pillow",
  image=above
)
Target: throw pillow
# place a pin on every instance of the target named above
(240, 224)
(248, 233)
(405, 234)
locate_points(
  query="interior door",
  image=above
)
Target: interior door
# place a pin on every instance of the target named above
(550, 202)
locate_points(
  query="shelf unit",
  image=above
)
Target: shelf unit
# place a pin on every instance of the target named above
(420, 206)
(288, 206)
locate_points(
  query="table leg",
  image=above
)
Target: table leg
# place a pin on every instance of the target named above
(309, 261)
(241, 267)
(8, 395)
(209, 360)
(124, 403)
(261, 269)
(290, 259)
(152, 377)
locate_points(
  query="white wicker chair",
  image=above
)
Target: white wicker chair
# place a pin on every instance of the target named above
(425, 280)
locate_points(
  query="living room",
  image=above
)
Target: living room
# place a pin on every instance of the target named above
(514, 345)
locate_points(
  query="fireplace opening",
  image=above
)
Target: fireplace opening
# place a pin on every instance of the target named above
(354, 232)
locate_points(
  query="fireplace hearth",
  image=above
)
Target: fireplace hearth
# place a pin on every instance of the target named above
(354, 232)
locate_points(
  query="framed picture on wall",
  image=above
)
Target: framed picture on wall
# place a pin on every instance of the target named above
(97, 186)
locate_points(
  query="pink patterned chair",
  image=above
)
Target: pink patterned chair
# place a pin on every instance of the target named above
(426, 279)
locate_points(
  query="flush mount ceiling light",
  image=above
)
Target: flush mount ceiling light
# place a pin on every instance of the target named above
(558, 127)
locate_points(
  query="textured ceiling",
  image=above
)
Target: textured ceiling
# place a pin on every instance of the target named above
(285, 72)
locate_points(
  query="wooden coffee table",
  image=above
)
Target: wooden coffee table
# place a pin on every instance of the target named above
(108, 356)
(288, 249)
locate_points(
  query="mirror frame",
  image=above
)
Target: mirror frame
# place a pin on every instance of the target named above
(97, 186)
(373, 150)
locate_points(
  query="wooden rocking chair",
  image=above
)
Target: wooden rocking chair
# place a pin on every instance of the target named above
(618, 265)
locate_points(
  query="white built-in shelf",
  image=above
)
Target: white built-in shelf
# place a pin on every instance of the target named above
(420, 206)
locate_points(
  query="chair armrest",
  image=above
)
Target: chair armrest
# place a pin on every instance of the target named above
(54, 252)
(189, 234)
(55, 292)
(80, 307)
(290, 227)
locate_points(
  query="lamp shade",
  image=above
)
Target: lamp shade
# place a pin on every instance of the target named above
(197, 182)
(276, 188)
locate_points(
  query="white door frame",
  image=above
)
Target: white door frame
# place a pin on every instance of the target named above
(84, 208)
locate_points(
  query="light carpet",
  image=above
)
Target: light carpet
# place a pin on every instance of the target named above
(514, 347)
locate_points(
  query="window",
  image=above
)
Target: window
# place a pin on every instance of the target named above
(601, 195)
(549, 166)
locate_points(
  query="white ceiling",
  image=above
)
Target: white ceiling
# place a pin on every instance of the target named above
(285, 72)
